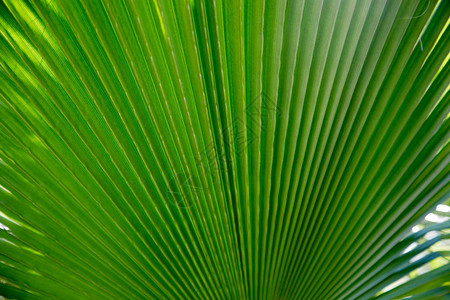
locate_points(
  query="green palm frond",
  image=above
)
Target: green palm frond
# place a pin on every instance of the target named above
(272, 149)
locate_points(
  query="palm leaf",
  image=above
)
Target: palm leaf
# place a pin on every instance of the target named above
(222, 149)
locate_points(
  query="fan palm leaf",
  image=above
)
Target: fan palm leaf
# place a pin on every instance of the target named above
(273, 149)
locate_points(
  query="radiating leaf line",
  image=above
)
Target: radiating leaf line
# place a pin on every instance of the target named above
(223, 149)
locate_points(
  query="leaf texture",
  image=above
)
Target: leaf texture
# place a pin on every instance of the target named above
(271, 149)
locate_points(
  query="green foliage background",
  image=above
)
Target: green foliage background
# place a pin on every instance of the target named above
(222, 149)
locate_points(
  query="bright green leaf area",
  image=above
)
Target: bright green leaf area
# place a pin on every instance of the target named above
(224, 149)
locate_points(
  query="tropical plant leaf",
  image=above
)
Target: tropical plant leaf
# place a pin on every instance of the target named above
(222, 149)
